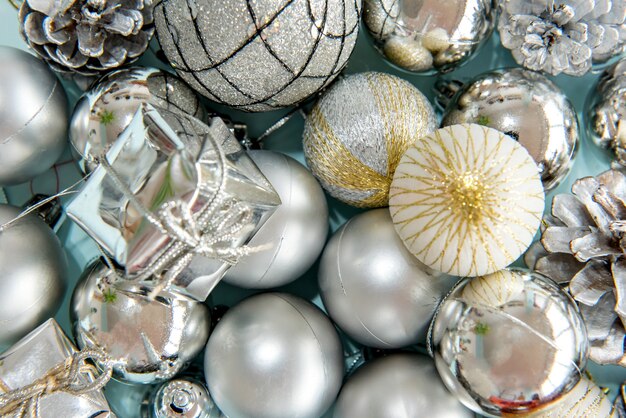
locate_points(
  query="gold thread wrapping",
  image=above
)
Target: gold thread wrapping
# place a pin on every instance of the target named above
(399, 106)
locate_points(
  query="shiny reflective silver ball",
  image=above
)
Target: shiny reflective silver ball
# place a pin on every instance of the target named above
(427, 36)
(33, 267)
(33, 117)
(528, 107)
(274, 356)
(148, 340)
(374, 288)
(183, 397)
(296, 232)
(103, 112)
(509, 343)
(398, 386)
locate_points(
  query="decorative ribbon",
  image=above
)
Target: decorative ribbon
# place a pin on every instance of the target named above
(64, 377)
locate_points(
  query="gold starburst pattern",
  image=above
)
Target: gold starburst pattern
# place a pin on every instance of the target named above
(494, 289)
(467, 200)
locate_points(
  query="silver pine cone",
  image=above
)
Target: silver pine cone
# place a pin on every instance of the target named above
(563, 36)
(583, 243)
(88, 37)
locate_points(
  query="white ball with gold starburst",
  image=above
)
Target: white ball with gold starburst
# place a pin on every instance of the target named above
(467, 200)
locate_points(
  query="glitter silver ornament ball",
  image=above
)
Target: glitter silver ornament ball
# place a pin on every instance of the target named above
(528, 107)
(274, 355)
(357, 132)
(511, 342)
(108, 107)
(398, 386)
(426, 36)
(149, 340)
(32, 274)
(296, 231)
(33, 117)
(258, 56)
(374, 288)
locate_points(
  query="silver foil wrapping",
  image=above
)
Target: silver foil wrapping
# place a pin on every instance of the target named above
(165, 160)
(32, 357)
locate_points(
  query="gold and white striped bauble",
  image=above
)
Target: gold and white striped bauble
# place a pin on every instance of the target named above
(495, 289)
(467, 200)
(357, 132)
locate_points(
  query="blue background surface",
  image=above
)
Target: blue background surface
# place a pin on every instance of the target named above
(80, 248)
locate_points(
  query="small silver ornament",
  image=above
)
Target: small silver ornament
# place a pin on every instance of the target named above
(567, 36)
(32, 274)
(87, 36)
(296, 232)
(258, 56)
(398, 386)
(357, 132)
(606, 109)
(528, 107)
(374, 288)
(33, 117)
(103, 112)
(274, 356)
(426, 36)
(510, 342)
(183, 398)
(149, 340)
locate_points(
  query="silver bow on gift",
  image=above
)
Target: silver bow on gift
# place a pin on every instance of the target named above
(171, 189)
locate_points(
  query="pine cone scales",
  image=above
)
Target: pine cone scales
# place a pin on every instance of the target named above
(87, 36)
(583, 243)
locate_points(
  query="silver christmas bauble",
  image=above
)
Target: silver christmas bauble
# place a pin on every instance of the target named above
(357, 132)
(296, 232)
(274, 356)
(108, 107)
(398, 386)
(606, 108)
(32, 274)
(426, 36)
(149, 340)
(511, 342)
(33, 117)
(528, 107)
(258, 56)
(183, 398)
(374, 288)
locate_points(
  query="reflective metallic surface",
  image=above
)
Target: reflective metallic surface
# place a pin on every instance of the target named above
(509, 343)
(296, 231)
(274, 356)
(398, 386)
(530, 108)
(374, 288)
(605, 111)
(33, 117)
(33, 267)
(148, 340)
(183, 398)
(106, 110)
(429, 35)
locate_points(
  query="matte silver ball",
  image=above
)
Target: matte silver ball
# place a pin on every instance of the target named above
(33, 117)
(274, 356)
(103, 112)
(374, 288)
(149, 340)
(398, 386)
(528, 107)
(511, 342)
(32, 275)
(296, 231)
(258, 56)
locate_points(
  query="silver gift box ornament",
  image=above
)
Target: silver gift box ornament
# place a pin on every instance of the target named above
(152, 203)
(32, 357)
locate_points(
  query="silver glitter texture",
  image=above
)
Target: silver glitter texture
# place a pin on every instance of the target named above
(87, 37)
(258, 55)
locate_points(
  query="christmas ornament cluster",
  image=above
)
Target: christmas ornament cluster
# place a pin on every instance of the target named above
(369, 267)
